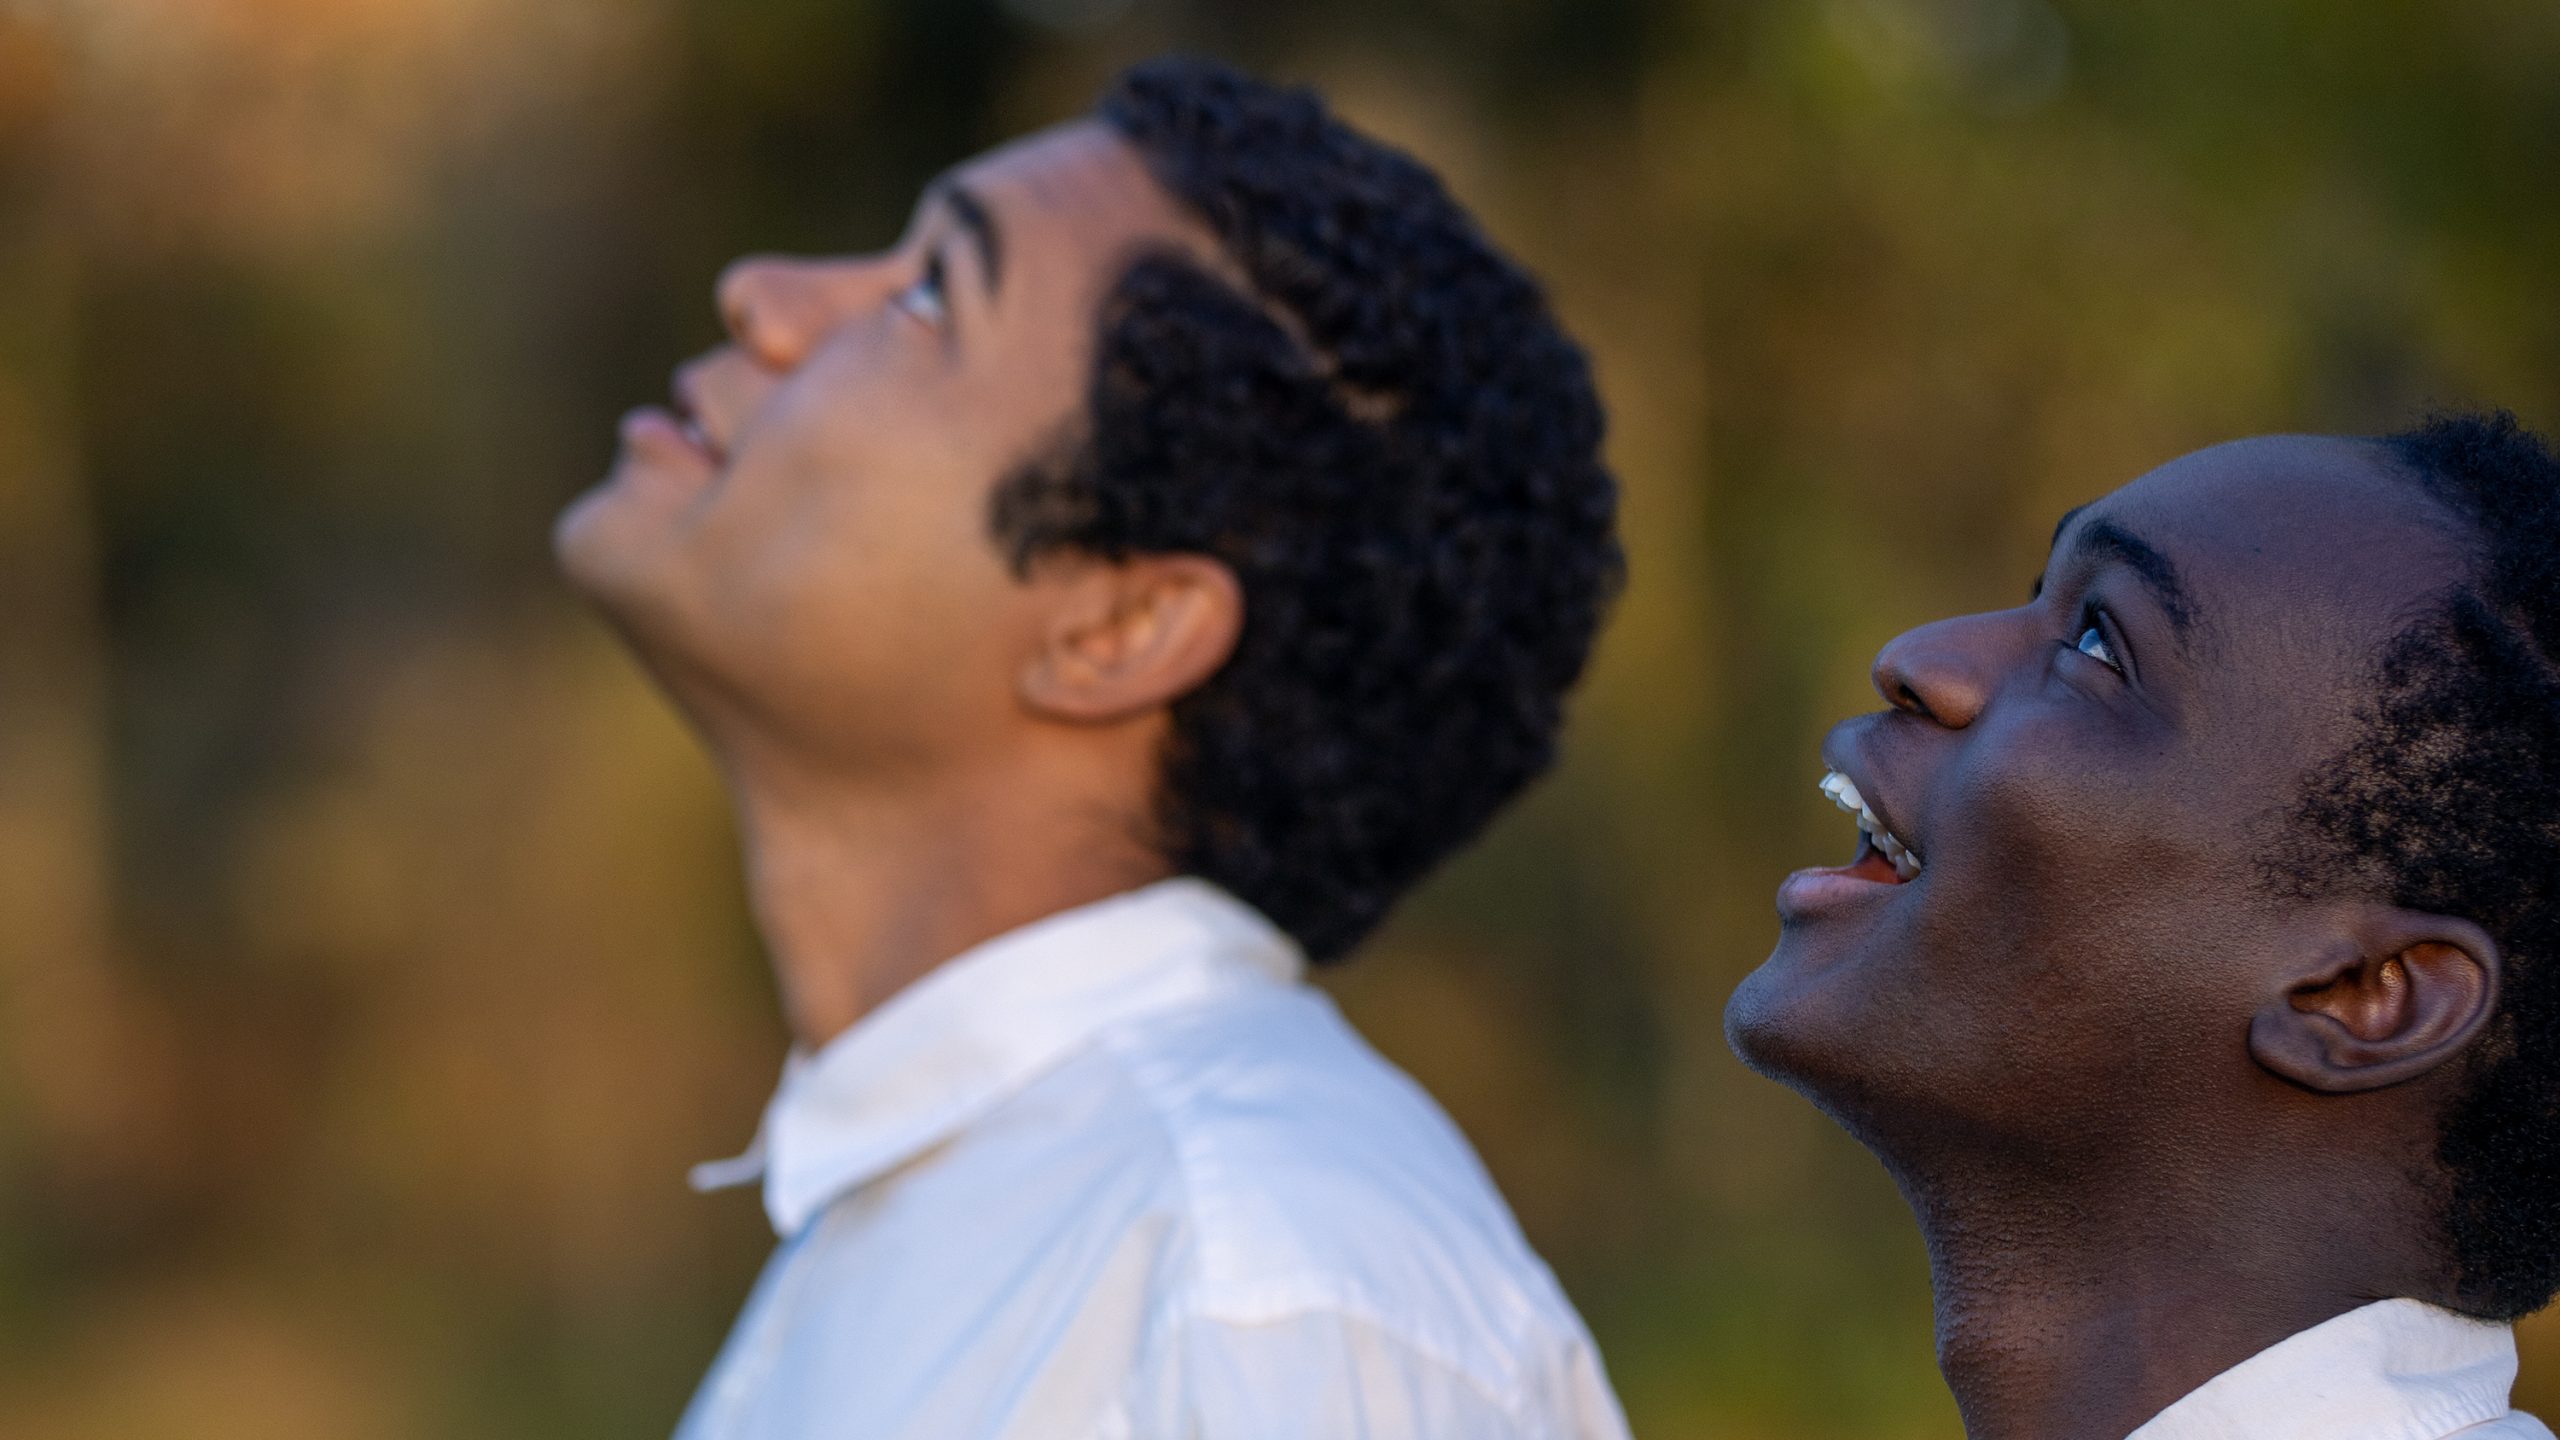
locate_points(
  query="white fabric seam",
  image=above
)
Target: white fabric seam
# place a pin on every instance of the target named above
(1194, 1304)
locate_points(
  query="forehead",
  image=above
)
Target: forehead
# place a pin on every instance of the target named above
(1079, 194)
(2318, 538)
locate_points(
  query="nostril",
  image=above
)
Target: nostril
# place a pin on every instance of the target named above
(757, 300)
(1942, 672)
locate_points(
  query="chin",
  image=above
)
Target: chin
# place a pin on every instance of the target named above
(1809, 1021)
(1773, 1034)
(1897, 1075)
(607, 547)
(1764, 1023)
(624, 567)
(579, 543)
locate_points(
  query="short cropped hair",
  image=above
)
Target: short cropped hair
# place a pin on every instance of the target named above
(1386, 435)
(2449, 802)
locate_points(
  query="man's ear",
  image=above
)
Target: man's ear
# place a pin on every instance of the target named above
(2397, 995)
(1129, 636)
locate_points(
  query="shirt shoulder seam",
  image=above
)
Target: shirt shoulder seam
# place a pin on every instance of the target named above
(1195, 1299)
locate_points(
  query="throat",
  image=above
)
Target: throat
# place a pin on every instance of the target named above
(859, 890)
(2065, 1312)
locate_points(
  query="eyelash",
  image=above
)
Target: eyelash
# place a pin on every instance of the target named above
(2093, 633)
(910, 299)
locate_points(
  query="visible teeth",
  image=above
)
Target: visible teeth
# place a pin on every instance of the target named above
(1843, 792)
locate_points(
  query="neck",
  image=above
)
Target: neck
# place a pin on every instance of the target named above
(2066, 1313)
(860, 886)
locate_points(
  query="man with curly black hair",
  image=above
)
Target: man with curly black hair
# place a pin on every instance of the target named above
(2198, 974)
(1101, 604)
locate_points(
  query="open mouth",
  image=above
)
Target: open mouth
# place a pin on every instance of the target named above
(1882, 855)
(689, 424)
(698, 438)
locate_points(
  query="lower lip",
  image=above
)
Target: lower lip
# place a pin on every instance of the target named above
(1808, 893)
(653, 428)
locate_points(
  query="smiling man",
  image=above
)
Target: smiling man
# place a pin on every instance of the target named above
(2198, 978)
(1101, 604)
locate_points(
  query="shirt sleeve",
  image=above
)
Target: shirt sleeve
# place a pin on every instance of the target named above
(1330, 1375)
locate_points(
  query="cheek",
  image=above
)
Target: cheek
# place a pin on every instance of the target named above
(877, 398)
(890, 398)
(861, 579)
(857, 469)
(851, 564)
(2074, 814)
(2097, 881)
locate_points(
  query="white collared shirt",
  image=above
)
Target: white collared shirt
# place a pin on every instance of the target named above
(1118, 1174)
(2392, 1370)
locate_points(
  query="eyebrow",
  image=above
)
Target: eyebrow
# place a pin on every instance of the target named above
(977, 222)
(2103, 539)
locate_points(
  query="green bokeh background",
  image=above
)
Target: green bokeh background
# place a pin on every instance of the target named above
(372, 960)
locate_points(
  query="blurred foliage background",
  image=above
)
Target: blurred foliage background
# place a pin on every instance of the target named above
(372, 959)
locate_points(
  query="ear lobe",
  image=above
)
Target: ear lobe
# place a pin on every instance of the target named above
(1132, 636)
(2392, 1002)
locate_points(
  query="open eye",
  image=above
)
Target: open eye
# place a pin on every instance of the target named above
(924, 298)
(2093, 643)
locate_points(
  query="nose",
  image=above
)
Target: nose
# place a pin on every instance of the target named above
(779, 307)
(1943, 671)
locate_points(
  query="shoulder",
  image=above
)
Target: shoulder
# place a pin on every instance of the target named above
(1321, 1187)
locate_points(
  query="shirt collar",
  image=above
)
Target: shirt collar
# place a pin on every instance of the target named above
(2392, 1370)
(983, 1024)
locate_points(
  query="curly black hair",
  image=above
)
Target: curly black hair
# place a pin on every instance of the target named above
(1383, 431)
(2449, 801)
